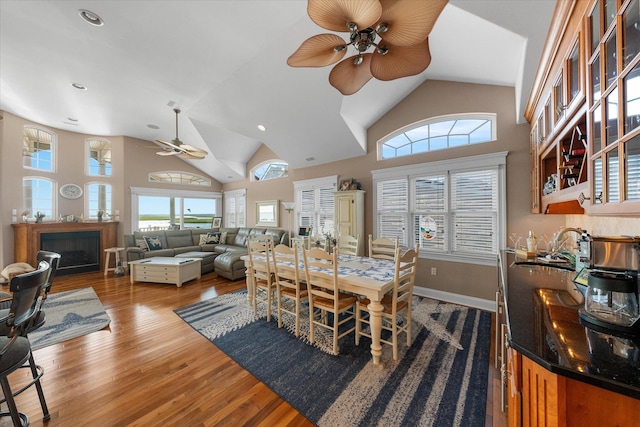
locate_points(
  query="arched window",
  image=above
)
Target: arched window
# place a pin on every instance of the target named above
(271, 169)
(98, 196)
(438, 133)
(98, 157)
(38, 196)
(38, 149)
(184, 178)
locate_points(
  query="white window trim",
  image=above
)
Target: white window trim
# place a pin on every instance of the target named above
(54, 195)
(87, 158)
(163, 192)
(54, 149)
(204, 178)
(479, 162)
(252, 175)
(87, 201)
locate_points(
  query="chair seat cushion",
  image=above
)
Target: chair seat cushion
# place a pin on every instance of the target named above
(344, 300)
(15, 356)
(291, 293)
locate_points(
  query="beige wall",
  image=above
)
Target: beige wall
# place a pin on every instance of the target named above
(132, 163)
(431, 99)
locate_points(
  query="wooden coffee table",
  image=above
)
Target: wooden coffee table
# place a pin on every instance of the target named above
(165, 270)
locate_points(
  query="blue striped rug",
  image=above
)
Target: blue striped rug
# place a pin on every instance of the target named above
(441, 380)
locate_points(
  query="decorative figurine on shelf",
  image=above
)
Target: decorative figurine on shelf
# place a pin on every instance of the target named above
(39, 216)
(25, 216)
(100, 214)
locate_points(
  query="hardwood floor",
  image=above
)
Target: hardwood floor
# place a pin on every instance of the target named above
(150, 368)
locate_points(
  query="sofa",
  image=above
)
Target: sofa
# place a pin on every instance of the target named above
(221, 252)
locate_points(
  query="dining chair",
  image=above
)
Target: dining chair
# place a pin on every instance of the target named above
(348, 245)
(289, 287)
(321, 273)
(261, 275)
(382, 247)
(396, 313)
(15, 349)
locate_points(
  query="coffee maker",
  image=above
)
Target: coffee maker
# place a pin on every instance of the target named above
(611, 297)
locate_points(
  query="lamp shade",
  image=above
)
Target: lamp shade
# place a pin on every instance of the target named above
(288, 205)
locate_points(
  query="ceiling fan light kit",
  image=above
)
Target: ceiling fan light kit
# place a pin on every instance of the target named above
(402, 27)
(178, 148)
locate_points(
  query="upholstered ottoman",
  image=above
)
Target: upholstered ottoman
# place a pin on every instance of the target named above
(207, 258)
(230, 265)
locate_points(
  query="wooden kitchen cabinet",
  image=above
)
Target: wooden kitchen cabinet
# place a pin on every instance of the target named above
(586, 94)
(538, 397)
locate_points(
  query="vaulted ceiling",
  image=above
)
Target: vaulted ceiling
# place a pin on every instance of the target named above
(223, 63)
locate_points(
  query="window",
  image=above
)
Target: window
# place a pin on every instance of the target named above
(98, 198)
(184, 178)
(271, 169)
(235, 208)
(465, 198)
(161, 209)
(314, 203)
(98, 157)
(38, 196)
(437, 134)
(37, 149)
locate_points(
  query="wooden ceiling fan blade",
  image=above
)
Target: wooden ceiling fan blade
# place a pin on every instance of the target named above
(194, 150)
(401, 61)
(168, 144)
(189, 155)
(167, 153)
(334, 15)
(409, 21)
(318, 51)
(349, 78)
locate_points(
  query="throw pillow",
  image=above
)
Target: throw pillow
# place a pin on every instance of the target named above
(214, 238)
(153, 243)
(203, 239)
(223, 238)
(142, 244)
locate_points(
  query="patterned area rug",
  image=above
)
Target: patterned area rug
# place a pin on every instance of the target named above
(69, 315)
(441, 380)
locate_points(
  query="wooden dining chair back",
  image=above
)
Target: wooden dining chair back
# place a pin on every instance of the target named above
(289, 287)
(261, 275)
(382, 247)
(15, 349)
(348, 245)
(321, 274)
(396, 314)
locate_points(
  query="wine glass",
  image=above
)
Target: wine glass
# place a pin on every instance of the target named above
(515, 240)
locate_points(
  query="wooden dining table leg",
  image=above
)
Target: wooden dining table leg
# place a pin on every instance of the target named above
(375, 317)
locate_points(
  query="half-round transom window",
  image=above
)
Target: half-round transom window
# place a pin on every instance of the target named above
(184, 178)
(271, 169)
(437, 134)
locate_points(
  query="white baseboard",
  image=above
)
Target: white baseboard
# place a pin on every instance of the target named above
(482, 304)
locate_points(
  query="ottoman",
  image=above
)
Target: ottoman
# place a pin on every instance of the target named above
(206, 265)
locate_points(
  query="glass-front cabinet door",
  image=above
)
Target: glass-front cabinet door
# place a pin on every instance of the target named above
(614, 105)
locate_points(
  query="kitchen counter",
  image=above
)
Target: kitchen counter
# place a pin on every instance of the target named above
(542, 305)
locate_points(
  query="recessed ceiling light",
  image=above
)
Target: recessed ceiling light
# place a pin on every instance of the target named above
(91, 17)
(262, 128)
(153, 126)
(309, 159)
(78, 86)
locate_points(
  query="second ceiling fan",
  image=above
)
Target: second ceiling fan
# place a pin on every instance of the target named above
(180, 149)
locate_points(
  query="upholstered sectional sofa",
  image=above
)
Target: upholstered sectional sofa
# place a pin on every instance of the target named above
(219, 252)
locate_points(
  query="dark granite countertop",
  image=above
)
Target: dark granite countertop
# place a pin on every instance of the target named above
(542, 305)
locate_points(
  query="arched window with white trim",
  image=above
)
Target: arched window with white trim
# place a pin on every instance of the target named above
(270, 169)
(38, 196)
(438, 133)
(38, 149)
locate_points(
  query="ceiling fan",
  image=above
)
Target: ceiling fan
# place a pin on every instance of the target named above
(402, 26)
(178, 148)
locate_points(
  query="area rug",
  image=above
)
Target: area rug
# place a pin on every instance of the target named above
(69, 315)
(440, 380)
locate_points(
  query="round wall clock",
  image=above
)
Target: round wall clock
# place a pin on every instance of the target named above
(71, 191)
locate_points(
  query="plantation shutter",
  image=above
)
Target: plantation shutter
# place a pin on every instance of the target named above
(315, 202)
(234, 208)
(430, 201)
(474, 206)
(325, 206)
(306, 210)
(392, 206)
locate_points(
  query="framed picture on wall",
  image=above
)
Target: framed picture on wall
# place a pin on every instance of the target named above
(216, 222)
(267, 213)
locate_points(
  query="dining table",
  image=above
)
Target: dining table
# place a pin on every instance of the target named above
(365, 276)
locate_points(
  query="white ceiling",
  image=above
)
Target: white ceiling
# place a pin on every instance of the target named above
(223, 63)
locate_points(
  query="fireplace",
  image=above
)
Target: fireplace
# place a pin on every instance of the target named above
(79, 250)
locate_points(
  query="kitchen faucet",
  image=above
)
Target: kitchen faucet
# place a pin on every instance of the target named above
(556, 245)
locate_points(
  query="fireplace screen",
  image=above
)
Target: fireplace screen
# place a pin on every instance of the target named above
(79, 251)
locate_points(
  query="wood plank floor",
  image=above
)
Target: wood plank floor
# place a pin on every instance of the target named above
(149, 368)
